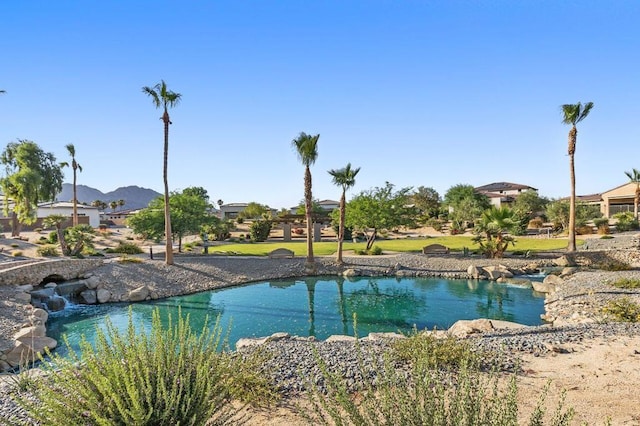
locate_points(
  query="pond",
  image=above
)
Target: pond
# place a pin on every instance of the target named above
(320, 307)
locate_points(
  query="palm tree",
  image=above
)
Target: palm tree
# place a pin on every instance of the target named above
(121, 202)
(493, 229)
(163, 98)
(306, 147)
(634, 176)
(573, 114)
(346, 178)
(75, 166)
(113, 205)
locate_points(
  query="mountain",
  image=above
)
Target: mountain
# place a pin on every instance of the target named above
(133, 196)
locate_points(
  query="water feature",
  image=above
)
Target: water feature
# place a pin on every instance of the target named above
(320, 307)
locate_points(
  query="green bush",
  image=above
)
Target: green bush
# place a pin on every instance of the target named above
(16, 253)
(53, 238)
(376, 250)
(436, 224)
(259, 230)
(126, 248)
(613, 265)
(239, 220)
(623, 310)
(170, 376)
(38, 230)
(606, 237)
(625, 221)
(628, 283)
(48, 251)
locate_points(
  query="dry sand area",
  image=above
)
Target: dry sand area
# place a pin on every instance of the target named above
(600, 377)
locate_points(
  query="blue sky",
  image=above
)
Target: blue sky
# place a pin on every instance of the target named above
(417, 93)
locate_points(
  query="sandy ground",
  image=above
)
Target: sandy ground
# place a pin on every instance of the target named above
(600, 378)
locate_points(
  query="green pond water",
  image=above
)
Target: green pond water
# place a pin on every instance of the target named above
(318, 306)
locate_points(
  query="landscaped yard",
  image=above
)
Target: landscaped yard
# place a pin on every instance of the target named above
(455, 243)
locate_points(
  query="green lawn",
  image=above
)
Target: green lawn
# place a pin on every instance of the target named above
(455, 243)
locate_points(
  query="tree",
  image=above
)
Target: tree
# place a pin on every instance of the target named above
(99, 204)
(316, 208)
(466, 204)
(113, 205)
(634, 176)
(345, 178)
(31, 176)
(380, 209)
(527, 206)
(255, 211)
(75, 166)
(492, 231)
(573, 114)
(189, 214)
(558, 212)
(164, 98)
(306, 147)
(121, 202)
(72, 240)
(427, 201)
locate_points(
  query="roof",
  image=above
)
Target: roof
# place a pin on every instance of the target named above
(234, 205)
(591, 198)
(503, 186)
(66, 204)
(328, 202)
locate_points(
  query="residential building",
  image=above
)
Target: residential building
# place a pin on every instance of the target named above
(503, 193)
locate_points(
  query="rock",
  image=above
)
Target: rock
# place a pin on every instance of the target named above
(543, 287)
(92, 282)
(103, 295)
(492, 273)
(463, 328)
(51, 285)
(340, 338)
(22, 297)
(351, 273)
(88, 297)
(4, 366)
(43, 293)
(40, 314)
(26, 288)
(569, 270)
(276, 337)
(565, 260)
(384, 336)
(139, 294)
(74, 287)
(474, 272)
(33, 331)
(56, 304)
(27, 349)
(248, 342)
(553, 279)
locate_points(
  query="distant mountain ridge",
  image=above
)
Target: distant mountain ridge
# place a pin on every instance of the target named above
(134, 197)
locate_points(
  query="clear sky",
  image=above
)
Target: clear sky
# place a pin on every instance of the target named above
(417, 93)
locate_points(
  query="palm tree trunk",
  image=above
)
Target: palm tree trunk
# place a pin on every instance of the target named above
(341, 227)
(307, 206)
(167, 214)
(573, 133)
(75, 200)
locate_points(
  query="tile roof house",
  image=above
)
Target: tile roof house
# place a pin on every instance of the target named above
(503, 193)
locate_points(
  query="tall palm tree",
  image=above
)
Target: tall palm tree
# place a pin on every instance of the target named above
(113, 205)
(306, 147)
(573, 114)
(75, 166)
(634, 176)
(121, 202)
(164, 98)
(346, 178)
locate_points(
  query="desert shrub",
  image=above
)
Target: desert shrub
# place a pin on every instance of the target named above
(53, 238)
(623, 310)
(602, 223)
(239, 220)
(48, 251)
(436, 224)
(584, 230)
(626, 283)
(127, 259)
(613, 265)
(126, 248)
(535, 223)
(606, 237)
(129, 238)
(38, 230)
(259, 230)
(448, 354)
(375, 250)
(419, 394)
(169, 376)
(16, 253)
(14, 245)
(625, 221)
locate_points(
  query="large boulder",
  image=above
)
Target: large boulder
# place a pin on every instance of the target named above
(474, 272)
(139, 294)
(27, 349)
(33, 331)
(92, 282)
(351, 273)
(88, 297)
(464, 328)
(55, 304)
(103, 295)
(565, 260)
(340, 338)
(39, 316)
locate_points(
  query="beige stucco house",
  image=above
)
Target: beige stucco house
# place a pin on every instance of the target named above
(503, 193)
(618, 199)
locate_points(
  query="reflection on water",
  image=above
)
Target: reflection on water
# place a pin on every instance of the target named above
(320, 307)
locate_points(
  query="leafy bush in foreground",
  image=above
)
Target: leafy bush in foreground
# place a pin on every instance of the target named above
(125, 248)
(167, 377)
(426, 394)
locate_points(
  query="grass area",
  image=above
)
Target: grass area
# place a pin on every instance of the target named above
(455, 243)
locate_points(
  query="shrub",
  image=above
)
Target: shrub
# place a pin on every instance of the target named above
(375, 251)
(626, 283)
(622, 310)
(37, 230)
(48, 251)
(15, 245)
(606, 237)
(625, 221)
(436, 224)
(584, 230)
(613, 265)
(53, 238)
(169, 376)
(536, 223)
(17, 253)
(259, 230)
(239, 220)
(126, 248)
(602, 223)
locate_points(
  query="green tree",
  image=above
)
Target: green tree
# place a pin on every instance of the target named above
(113, 205)
(72, 240)
(427, 201)
(345, 178)
(380, 209)
(572, 114)
(99, 204)
(189, 214)
(316, 208)
(306, 146)
(558, 212)
(218, 229)
(75, 166)
(634, 176)
(466, 205)
(528, 205)
(164, 98)
(255, 211)
(121, 202)
(31, 176)
(492, 231)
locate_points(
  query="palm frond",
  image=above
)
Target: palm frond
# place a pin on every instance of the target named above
(306, 147)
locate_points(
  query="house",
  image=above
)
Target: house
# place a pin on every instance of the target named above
(65, 208)
(326, 205)
(231, 210)
(618, 199)
(503, 193)
(118, 218)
